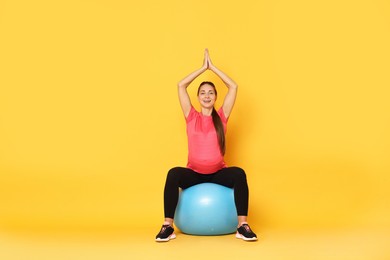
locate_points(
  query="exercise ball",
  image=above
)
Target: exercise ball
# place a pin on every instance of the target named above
(206, 209)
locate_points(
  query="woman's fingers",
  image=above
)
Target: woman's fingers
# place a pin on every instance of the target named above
(209, 63)
(206, 59)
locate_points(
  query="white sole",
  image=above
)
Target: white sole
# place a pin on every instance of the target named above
(173, 236)
(238, 235)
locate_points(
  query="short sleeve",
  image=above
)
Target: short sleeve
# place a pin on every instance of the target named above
(191, 115)
(222, 115)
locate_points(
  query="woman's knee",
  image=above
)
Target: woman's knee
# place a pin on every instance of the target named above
(174, 174)
(239, 173)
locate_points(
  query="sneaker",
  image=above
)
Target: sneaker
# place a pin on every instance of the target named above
(165, 234)
(246, 233)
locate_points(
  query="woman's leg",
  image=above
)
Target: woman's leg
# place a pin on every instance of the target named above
(235, 177)
(178, 177)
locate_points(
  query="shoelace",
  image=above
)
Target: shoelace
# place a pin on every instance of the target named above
(247, 228)
(164, 227)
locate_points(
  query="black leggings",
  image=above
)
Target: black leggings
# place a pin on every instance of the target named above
(179, 177)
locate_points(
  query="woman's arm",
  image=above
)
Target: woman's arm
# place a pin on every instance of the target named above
(184, 98)
(230, 97)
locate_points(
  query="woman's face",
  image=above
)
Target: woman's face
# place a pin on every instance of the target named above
(207, 96)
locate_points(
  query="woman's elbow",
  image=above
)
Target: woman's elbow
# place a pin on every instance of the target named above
(233, 86)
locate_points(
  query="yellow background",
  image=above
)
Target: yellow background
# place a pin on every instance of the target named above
(90, 121)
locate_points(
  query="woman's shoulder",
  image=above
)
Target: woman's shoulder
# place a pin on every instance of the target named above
(193, 114)
(222, 115)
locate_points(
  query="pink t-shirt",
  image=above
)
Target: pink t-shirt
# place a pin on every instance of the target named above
(204, 155)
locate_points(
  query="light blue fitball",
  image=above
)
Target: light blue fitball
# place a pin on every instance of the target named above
(206, 209)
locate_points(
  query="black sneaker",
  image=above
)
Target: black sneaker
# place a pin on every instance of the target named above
(246, 233)
(165, 234)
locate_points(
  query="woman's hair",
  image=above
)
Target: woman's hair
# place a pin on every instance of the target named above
(216, 120)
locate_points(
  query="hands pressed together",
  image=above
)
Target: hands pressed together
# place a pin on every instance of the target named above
(207, 64)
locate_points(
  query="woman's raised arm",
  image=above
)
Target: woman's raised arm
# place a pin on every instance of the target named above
(230, 97)
(184, 98)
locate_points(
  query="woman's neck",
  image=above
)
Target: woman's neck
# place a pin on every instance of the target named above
(207, 111)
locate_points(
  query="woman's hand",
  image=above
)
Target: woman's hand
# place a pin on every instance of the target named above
(209, 63)
(206, 60)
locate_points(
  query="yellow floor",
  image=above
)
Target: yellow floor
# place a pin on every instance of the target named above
(139, 244)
